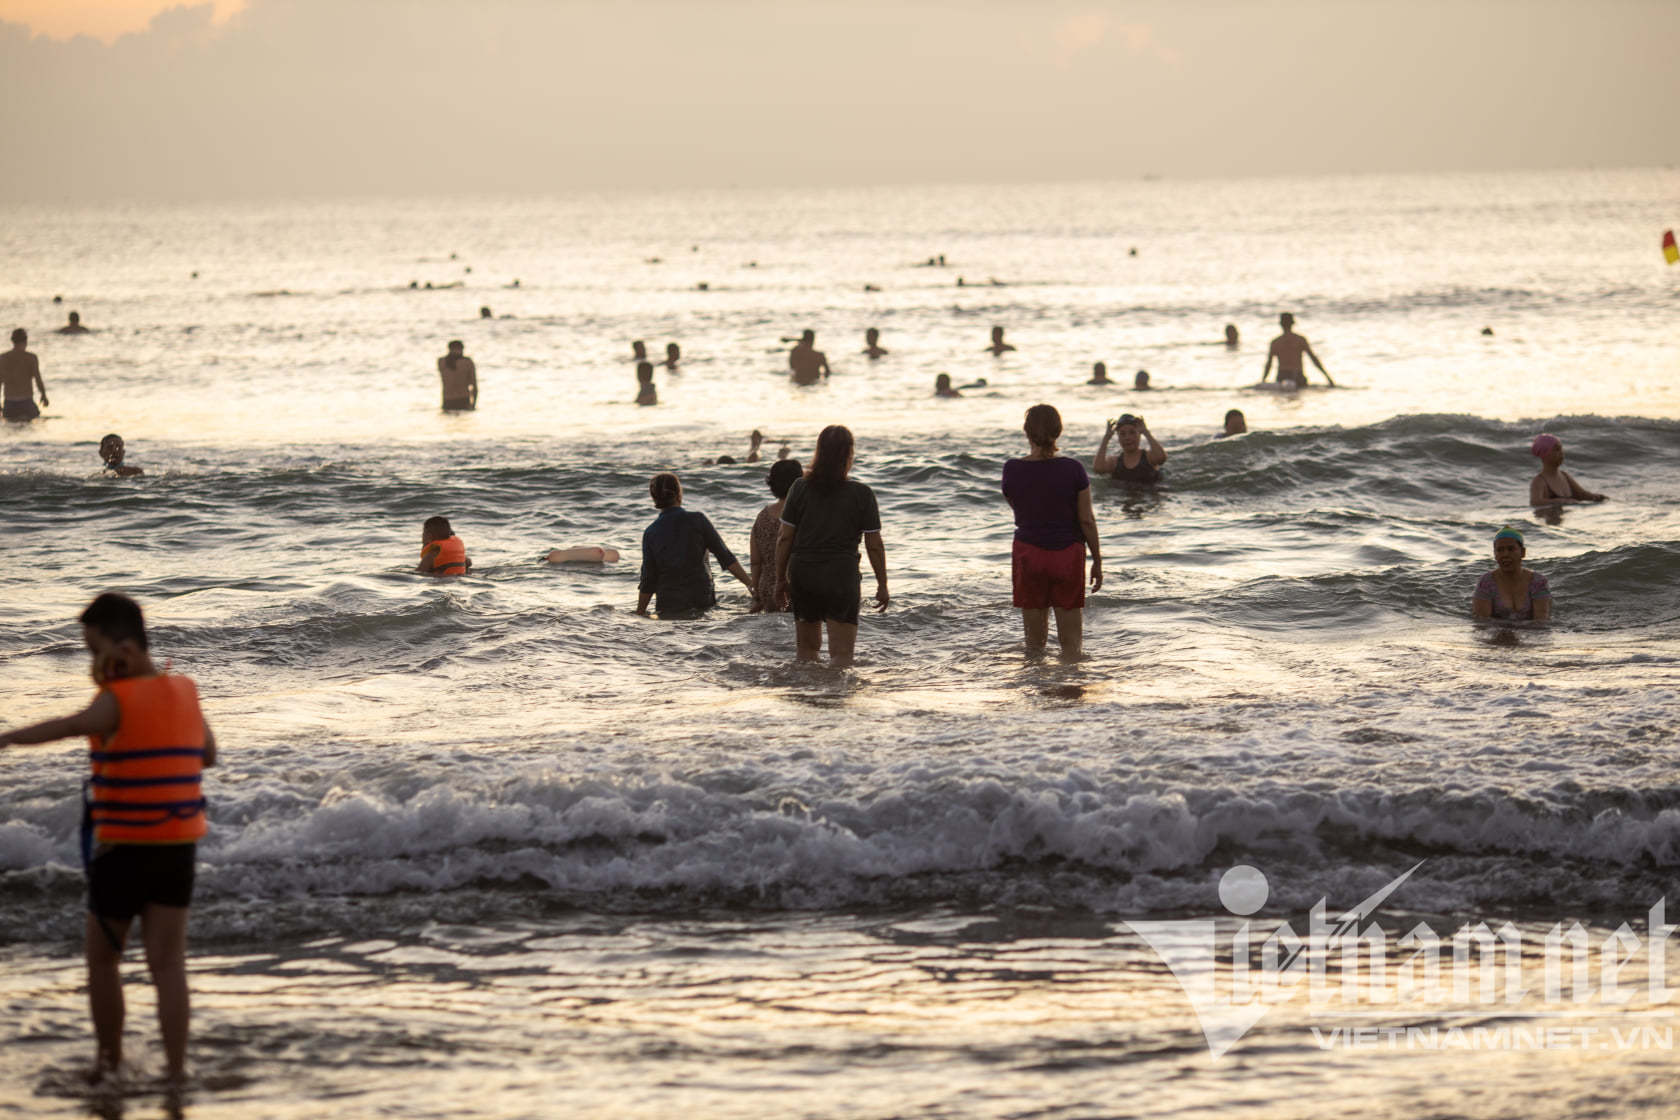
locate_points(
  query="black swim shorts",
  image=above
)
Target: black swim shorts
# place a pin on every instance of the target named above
(124, 878)
(825, 590)
(21, 408)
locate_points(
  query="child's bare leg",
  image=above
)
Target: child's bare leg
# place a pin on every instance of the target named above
(164, 929)
(105, 995)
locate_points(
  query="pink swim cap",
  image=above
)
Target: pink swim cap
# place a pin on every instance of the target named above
(1544, 444)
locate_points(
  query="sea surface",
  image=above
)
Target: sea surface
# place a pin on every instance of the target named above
(498, 847)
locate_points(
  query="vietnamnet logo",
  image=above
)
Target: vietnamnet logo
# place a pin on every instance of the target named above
(1353, 963)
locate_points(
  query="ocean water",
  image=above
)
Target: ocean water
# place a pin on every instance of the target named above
(499, 847)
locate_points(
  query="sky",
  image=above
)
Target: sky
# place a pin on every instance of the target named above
(135, 99)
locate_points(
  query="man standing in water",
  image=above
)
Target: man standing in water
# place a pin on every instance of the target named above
(1287, 348)
(18, 367)
(460, 379)
(809, 365)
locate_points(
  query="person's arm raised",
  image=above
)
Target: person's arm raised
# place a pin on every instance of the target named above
(1156, 453)
(1100, 462)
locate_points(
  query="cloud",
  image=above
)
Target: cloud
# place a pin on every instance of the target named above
(1085, 30)
(105, 20)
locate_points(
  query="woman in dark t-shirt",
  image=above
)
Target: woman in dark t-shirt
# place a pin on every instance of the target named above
(675, 576)
(824, 517)
(1054, 524)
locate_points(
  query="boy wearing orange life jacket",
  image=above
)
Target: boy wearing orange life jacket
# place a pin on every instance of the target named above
(144, 814)
(441, 551)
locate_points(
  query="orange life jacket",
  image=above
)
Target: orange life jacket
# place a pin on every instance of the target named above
(451, 558)
(145, 787)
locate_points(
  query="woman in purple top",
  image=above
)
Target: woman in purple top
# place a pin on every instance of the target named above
(1054, 524)
(1511, 592)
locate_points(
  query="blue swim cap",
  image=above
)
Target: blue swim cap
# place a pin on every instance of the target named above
(1509, 534)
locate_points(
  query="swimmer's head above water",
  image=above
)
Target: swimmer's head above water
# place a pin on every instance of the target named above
(1547, 448)
(1509, 548)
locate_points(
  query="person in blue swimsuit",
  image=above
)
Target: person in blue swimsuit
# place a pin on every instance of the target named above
(1511, 592)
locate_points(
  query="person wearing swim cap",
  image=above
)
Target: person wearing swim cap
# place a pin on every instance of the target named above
(1511, 592)
(1132, 464)
(1553, 485)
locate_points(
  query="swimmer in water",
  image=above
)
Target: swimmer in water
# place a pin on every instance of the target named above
(998, 346)
(1141, 381)
(1132, 464)
(1553, 485)
(1099, 375)
(638, 351)
(111, 451)
(460, 379)
(1230, 336)
(1287, 348)
(484, 313)
(1511, 592)
(18, 368)
(441, 551)
(808, 364)
(645, 392)
(1235, 423)
(74, 326)
(583, 554)
(942, 387)
(673, 355)
(872, 344)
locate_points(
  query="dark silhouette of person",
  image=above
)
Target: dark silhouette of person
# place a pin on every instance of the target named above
(1141, 381)
(484, 313)
(999, 346)
(872, 343)
(20, 376)
(673, 355)
(1099, 375)
(1231, 336)
(74, 326)
(638, 351)
(645, 392)
(460, 379)
(1235, 423)
(808, 364)
(1287, 348)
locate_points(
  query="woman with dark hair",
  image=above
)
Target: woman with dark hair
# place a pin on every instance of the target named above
(674, 551)
(816, 552)
(761, 546)
(1132, 464)
(1054, 524)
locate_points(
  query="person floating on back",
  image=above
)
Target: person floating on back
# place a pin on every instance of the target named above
(18, 368)
(645, 392)
(1553, 485)
(74, 326)
(460, 379)
(1287, 348)
(111, 450)
(808, 364)
(142, 818)
(441, 551)
(998, 346)
(872, 344)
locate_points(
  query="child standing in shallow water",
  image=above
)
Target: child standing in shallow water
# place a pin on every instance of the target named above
(143, 817)
(441, 551)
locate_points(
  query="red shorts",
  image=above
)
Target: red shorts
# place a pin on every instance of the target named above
(1045, 579)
